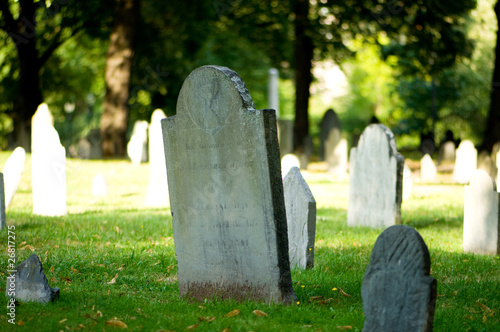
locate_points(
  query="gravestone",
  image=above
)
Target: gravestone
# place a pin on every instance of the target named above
(84, 148)
(465, 162)
(428, 171)
(100, 186)
(306, 153)
(397, 291)
(29, 284)
(487, 164)
(49, 174)
(301, 219)
(481, 219)
(12, 172)
(3, 218)
(446, 153)
(137, 147)
(329, 130)
(95, 139)
(336, 157)
(273, 93)
(42, 117)
(157, 194)
(287, 162)
(407, 182)
(494, 150)
(376, 180)
(285, 136)
(229, 218)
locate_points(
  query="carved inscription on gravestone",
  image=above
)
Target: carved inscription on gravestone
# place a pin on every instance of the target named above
(226, 193)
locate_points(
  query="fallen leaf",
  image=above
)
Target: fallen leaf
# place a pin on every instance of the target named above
(482, 306)
(206, 319)
(192, 327)
(65, 278)
(30, 247)
(315, 298)
(74, 270)
(259, 313)
(226, 329)
(484, 318)
(113, 280)
(22, 243)
(81, 326)
(232, 313)
(116, 323)
(63, 320)
(20, 322)
(455, 293)
(98, 314)
(344, 293)
(117, 230)
(52, 269)
(347, 327)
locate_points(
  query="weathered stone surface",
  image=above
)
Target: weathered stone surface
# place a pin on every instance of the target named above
(226, 192)
(481, 218)
(301, 218)
(376, 180)
(428, 171)
(157, 194)
(398, 293)
(287, 162)
(330, 123)
(100, 186)
(49, 174)
(30, 284)
(465, 162)
(446, 153)
(3, 218)
(13, 171)
(137, 147)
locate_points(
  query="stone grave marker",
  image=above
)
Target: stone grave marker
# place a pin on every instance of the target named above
(229, 218)
(83, 148)
(329, 131)
(336, 157)
(273, 93)
(428, 171)
(481, 219)
(12, 172)
(376, 180)
(3, 218)
(287, 162)
(100, 186)
(301, 219)
(487, 164)
(446, 153)
(137, 147)
(49, 174)
(306, 153)
(42, 117)
(95, 139)
(465, 162)
(285, 136)
(157, 194)
(407, 182)
(397, 291)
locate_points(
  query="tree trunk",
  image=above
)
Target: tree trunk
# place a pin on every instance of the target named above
(303, 64)
(118, 64)
(492, 132)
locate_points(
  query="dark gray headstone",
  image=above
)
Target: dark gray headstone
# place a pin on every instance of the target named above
(226, 192)
(95, 139)
(301, 217)
(398, 293)
(3, 223)
(29, 283)
(329, 123)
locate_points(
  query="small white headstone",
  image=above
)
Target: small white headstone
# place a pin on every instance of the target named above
(447, 153)
(157, 194)
(138, 145)
(49, 174)
(301, 219)
(287, 162)
(428, 170)
(42, 117)
(273, 94)
(465, 162)
(481, 219)
(12, 172)
(100, 186)
(407, 182)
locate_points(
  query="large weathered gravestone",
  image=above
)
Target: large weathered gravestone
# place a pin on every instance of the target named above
(481, 219)
(376, 180)
(329, 130)
(157, 194)
(12, 172)
(398, 293)
(3, 219)
(29, 284)
(48, 174)
(428, 170)
(137, 147)
(226, 192)
(42, 117)
(301, 218)
(465, 162)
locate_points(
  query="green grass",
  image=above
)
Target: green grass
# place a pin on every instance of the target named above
(117, 236)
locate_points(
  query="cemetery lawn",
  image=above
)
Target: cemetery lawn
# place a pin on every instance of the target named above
(113, 260)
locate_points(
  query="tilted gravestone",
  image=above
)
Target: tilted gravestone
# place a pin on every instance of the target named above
(481, 219)
(12, 172)
(137, 147)
(49, 174)
(465, 162)
(157, 194)
(428, 171)
(301, 219)
(397, 291)
(226, 192)
(376, 180)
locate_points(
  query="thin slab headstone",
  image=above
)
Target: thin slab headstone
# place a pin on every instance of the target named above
(428, 171)
(100, 186)
(157, 195)
(487, 164)
(465, 162)
(49, 174)
(30, 283)
(226, 192)
(407, 182)
(376, 180)
(336, 157)
(137, 147)
(329, 123)
(84, 148)
(398, 292)
(287, 162)
(481, 218)
(447, 153)
(273, 94)
(3, 218)
(301, 218)
(42, 117)
(12, 173)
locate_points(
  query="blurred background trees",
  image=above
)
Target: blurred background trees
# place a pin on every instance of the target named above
(420, 67)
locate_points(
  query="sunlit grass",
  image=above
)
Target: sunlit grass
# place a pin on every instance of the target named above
(113, 257)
